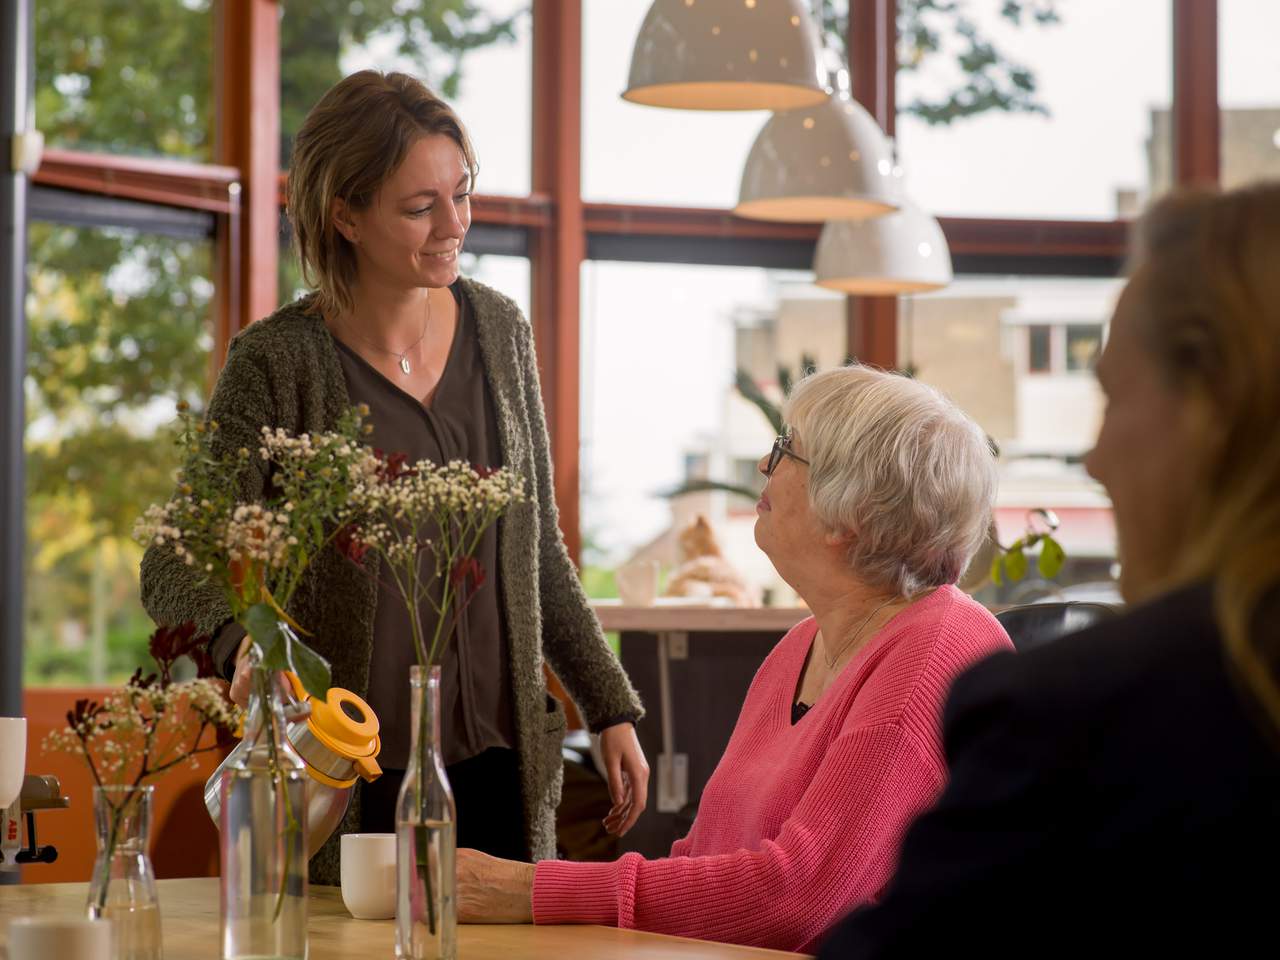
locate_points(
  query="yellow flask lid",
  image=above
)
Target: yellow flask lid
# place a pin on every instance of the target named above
(345, 724)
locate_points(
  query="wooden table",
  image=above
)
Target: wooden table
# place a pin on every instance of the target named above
(189, 913)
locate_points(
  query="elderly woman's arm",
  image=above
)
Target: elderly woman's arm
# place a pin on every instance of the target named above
(836, 851)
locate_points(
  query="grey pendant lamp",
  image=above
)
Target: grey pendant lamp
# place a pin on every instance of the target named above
(727, 55)
(825, 162)
(901, 252)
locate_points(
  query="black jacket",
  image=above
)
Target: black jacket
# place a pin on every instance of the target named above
(1116, 790)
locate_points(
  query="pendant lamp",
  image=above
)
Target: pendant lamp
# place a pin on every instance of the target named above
(727, 55)
(825, 162)
(901, 252)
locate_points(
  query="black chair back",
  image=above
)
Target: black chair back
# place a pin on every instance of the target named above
(1036, 624)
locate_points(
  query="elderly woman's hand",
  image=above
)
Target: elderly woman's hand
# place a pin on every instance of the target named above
(492, 890)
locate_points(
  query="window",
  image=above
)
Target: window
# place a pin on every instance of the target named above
(1084, 343)
(660, 344)
(478, 56)
(648, 155)
(1094, 141)
(118, 331)
(1039, 349)
(120, 79)
(993, 346)
(1249, 90)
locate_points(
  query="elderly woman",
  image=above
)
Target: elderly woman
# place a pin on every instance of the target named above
(874, 504)
(1118, 792)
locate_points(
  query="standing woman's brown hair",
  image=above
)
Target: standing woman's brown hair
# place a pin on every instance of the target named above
(351, 142)
(1211, 320)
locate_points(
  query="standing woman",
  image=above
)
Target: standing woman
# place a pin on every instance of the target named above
(379, 201)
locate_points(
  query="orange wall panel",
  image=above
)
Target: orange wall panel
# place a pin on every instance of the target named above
(184, 841)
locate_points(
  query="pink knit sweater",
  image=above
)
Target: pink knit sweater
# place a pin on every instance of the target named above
(798, 824)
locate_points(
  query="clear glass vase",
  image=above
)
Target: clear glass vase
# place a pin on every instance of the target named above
(263, 834)
(426, 906)
(123, 886)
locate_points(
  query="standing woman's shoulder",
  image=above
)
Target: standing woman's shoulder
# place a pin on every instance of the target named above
(493, 306)
(282, 338)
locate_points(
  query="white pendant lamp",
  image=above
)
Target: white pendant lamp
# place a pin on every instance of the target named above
(901, 252)
(727, 55)
(824, 162)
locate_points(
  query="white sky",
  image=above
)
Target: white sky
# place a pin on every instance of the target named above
(657, 342)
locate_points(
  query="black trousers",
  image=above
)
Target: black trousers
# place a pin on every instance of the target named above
(486, 790)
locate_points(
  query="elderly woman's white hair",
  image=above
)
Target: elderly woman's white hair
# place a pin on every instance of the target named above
(899, 470)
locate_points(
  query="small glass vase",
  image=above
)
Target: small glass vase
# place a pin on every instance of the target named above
(426, 843)
(123, 886)
(263, 834)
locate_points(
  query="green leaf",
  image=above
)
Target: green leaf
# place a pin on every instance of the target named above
(1015, 564)
(311, 668)
(1052, 557)
(262, 624)
(282, 650)
(997, 565)
(700, 486)
(747, 387)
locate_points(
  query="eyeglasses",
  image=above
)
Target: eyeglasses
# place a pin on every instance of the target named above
(781, 448)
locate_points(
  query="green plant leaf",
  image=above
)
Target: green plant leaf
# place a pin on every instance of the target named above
(699, 486)
(311, 668)
(1015, 564)
(261, 623)
(282, 650)
(747, 387)
(1052, 557)
(997, 565)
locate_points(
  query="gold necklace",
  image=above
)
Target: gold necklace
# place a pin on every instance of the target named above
(831, 662)
(404, 357)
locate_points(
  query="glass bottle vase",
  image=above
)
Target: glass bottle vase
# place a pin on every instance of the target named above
(263, 834)
(426, 882)
(123, 886)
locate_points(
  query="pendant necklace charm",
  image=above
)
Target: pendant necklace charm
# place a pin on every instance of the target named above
(404, 364)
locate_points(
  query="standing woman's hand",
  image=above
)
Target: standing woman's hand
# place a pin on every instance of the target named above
(628, 775)
(240, 679)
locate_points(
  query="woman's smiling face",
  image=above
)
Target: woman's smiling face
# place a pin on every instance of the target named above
(410, 235)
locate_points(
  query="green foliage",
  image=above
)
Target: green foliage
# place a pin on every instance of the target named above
(119, 319)
(990, 80)
(434, 35)
(126, 76)
(1010, 563)
(281, 649)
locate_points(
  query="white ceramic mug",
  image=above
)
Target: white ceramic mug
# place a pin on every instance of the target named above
(369, 875)
(637, 583)
(67, 938)
(13, 758)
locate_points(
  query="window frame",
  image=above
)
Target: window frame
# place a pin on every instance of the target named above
(243, 192)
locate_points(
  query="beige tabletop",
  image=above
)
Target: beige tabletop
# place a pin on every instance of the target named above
(189, 913)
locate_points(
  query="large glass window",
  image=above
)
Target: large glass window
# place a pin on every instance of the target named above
(660, 348)
(477, 55)
(132, 78)
(649, 155)
(1249, 89)
(1014, 353)
(118, 328)
(1002, 114)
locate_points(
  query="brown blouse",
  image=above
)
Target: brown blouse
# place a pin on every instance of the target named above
(458, 423)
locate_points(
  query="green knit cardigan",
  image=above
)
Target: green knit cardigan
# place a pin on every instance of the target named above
(283, 371)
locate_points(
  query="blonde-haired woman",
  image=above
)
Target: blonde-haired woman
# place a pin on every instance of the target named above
(379, 201)
(874, 504)
(1119, 791)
